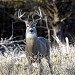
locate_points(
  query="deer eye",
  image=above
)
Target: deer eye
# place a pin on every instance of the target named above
(33, 26)
(27, 26)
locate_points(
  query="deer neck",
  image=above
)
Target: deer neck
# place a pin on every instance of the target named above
(31, 43)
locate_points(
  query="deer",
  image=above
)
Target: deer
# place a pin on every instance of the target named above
(36, 47)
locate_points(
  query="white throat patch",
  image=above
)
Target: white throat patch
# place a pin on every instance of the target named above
(31, 35)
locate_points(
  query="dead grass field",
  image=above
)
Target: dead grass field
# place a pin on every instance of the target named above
(63, 63)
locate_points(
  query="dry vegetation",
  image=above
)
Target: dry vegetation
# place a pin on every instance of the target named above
(15, 62)
(13, 59)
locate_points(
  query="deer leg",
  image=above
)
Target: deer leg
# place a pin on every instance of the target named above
(50, 66)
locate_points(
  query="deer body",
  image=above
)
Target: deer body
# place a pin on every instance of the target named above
(35, 44)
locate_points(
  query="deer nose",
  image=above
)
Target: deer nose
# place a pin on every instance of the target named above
(31, 30)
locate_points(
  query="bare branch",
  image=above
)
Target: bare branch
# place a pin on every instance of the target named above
(68, 13)
(65, 17)
(11, 37)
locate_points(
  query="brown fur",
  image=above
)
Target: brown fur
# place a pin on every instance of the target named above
(35, 45)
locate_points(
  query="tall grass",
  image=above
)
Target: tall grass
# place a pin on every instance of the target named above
(62, 60)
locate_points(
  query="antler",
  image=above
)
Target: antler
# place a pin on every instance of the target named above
(20, 15)
(40, 13)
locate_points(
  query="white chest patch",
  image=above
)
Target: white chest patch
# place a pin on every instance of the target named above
(31, 35)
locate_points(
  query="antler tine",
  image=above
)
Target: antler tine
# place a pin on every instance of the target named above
(33, 18)
(40, 12)
(20, 15)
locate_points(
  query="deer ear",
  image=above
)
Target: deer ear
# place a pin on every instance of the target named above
(35, 23)
(26, 22)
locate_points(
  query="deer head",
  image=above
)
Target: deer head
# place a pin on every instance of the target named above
(30, 24)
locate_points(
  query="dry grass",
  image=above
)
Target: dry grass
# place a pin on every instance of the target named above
(19, 66)
(62, 61)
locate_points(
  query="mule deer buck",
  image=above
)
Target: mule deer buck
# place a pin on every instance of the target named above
(35, 45)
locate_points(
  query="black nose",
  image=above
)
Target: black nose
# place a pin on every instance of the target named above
(31, 30)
